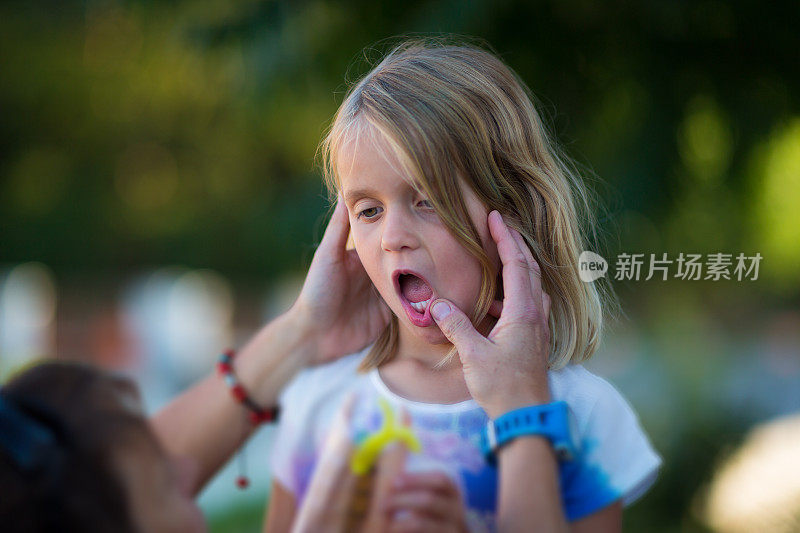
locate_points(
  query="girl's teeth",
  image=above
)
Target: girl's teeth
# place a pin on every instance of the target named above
(420, 306)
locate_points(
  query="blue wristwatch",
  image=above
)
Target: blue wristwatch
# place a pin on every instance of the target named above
(553, 421)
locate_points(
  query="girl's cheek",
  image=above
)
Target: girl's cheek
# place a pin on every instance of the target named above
(364, 242)
(365, 258)
(355, 238)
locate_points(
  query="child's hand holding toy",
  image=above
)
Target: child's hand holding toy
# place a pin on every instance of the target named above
(364, 487)
(425, 501)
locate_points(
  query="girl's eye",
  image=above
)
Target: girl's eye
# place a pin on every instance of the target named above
(426, 203)
(369, 213)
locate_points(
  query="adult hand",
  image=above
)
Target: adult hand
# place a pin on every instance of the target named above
(337, 304)
(336, 313)
(508, 368)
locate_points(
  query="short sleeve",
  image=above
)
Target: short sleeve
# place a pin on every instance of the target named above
(308, 405)
(618, 461)
(292, 432)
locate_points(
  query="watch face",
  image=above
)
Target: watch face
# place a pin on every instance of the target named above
(567, 443)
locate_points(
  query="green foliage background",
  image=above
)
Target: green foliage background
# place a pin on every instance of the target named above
(139, 133)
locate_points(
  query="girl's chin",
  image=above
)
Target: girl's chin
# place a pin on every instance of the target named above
(431, 334)
(437, 339)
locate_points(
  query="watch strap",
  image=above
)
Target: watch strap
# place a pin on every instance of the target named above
(550, 421)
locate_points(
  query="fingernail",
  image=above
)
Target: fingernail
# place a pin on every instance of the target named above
(440, 310)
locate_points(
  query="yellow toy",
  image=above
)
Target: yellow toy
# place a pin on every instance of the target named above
(373, 471)
(370, 449)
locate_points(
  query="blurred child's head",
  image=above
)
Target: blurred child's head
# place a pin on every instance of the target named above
(441, 134)
(77, 454)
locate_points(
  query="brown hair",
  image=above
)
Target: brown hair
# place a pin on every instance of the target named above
(449, 110)
(92, 417)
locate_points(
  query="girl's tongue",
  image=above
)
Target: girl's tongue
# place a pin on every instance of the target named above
(414, 289)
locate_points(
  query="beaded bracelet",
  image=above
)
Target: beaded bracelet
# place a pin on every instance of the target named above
(256, 414)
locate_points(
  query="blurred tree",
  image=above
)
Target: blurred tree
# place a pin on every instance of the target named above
(141, 133)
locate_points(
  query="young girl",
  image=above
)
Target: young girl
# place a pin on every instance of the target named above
(423, 148)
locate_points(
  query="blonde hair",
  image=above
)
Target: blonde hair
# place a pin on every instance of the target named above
(453, 109)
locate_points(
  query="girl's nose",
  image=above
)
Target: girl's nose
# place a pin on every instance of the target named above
(398, 231)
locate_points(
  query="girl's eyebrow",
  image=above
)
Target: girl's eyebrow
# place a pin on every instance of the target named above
(351, 196)
(356, 194)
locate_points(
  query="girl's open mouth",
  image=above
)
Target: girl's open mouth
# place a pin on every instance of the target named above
(416, 294)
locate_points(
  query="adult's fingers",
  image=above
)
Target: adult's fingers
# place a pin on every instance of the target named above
(534, 271)
(516, 277)
(335, 236)
(546, 305)
(537, 292)
(455, 325)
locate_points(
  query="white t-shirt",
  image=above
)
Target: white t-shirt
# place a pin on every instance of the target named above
(618, 460)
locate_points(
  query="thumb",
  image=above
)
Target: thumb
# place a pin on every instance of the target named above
(455, 325)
